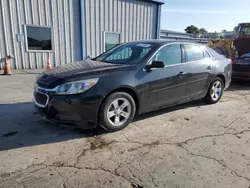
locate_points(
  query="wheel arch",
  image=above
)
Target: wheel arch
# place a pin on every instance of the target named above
(127, 89)
(207, 96)
(221, 76)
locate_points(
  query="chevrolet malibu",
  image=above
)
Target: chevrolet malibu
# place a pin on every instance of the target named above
(128, 80)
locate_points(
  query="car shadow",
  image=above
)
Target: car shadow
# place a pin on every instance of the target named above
(21, 126)
(239, 85)
(196, 103)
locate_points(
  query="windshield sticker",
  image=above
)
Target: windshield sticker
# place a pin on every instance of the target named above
(144, 45)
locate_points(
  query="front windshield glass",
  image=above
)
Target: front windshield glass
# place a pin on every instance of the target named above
(126, 54)
(245, 30)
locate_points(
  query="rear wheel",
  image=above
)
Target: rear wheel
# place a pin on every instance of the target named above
(117, 111)
(215, 91)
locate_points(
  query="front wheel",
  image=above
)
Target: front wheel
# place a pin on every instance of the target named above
(117, 111)
(215, 91)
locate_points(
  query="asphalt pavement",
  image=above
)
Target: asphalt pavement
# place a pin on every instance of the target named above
(190, 145)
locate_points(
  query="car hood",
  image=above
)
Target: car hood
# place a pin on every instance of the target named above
(242, 45)
(70, 71)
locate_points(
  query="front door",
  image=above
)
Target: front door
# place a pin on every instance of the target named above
(163, 85)
(198, 65)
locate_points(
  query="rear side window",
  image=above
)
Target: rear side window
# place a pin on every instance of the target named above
(193, 52)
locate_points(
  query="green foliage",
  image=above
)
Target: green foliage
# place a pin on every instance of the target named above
(192, 30)
(202, 31)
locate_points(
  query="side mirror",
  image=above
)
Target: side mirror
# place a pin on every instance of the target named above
(154, 65)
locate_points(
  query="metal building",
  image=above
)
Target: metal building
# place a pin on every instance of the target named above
(71, 30)
(175, 35)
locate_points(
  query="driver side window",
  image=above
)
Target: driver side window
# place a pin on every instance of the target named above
(170, 54)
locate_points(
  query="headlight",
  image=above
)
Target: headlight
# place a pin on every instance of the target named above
(76, 87)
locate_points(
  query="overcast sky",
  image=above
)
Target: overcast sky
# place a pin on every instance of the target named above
(213, 15)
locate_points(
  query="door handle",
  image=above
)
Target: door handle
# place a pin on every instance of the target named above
(181, 74)
(209, 67)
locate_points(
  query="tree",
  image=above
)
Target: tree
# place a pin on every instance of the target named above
(202, 31)
(224, 31)
(192, 30)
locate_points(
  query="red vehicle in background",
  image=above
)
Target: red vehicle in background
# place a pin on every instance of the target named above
(241, 48)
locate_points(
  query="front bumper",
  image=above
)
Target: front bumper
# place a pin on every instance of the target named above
(80, 110)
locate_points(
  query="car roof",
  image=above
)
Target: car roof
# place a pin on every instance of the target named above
(162, 42)
(244, 24)
(149, 41)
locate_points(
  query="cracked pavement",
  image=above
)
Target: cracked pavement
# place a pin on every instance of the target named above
(191, 145)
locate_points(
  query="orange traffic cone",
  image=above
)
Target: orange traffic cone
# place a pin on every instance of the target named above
(7, 69)
(48, 64)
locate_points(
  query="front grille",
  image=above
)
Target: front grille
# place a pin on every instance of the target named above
(41, 99)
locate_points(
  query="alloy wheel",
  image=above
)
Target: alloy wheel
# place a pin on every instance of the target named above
(216, 90)
(119, 111)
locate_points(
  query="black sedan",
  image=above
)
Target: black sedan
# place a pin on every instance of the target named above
(131, 79)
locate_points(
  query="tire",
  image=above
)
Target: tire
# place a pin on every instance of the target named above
(212, 96)
(112, 115)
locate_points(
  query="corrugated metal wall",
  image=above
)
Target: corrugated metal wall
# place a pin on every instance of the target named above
(62, 15)
(133, 19)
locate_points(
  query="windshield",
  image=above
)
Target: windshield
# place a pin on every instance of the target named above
(129, 53)
(245, 30)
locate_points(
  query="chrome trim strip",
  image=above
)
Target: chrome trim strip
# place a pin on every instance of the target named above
(47, 89)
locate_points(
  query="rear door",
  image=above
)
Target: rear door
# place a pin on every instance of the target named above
(198, 66)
